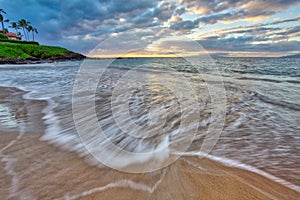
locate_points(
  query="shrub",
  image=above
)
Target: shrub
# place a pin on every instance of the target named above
(17, 41)
(3, 37)
(13, 50)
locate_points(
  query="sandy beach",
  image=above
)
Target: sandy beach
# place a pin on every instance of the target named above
(33, 169)
(150, 100)
(37, 170)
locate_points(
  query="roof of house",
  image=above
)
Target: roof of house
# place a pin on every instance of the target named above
(11, 35)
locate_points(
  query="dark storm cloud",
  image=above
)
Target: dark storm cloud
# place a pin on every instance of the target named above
(184, 25)
(207, 19)
(162, 12)
(293, 30)
(212, 19)
(254, 39)
(77, 13)
(247, 44)
(286, 20)
(227, 44)
(180, 10)
(238, 44)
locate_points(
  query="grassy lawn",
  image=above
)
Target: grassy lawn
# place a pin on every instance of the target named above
(23, 51)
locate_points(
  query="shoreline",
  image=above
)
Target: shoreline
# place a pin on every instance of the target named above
(40, 170)
(38, 61)
(34, 164)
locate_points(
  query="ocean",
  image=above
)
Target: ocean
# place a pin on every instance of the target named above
(141, 114)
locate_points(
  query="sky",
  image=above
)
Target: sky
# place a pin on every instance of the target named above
(109, 28)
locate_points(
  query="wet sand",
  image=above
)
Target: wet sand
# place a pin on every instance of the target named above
(33, 169)
(38, 170)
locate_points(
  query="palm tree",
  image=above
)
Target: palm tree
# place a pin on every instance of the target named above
(2, 19)
(19, 34)
(23, 24)
(34, 31)
(29, 29)
(28, 24)
(15, 26)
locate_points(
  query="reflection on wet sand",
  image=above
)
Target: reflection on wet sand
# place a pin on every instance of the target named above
(18, 112)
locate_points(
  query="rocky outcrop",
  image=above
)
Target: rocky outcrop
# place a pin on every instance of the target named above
(70, 56)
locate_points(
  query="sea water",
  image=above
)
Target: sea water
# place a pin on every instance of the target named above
(139, 111)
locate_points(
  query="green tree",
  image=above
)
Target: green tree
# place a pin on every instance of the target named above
(2, 12)
(32, 30)
(3, 36)
(19, 34)
(23, 24)
(29, 29)
(15, 26)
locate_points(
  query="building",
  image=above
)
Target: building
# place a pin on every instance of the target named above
(11, 36)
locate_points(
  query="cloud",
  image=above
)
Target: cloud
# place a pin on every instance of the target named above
(232, 10)
(254, 38)
(59, 20)
(213, 11)
(184, 25)
(208, 19)
(215, 6)
(247, 44)
(269, 32)
(80, 25)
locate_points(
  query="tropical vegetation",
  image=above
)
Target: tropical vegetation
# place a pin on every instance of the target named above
(23, 25)
(2, 20)
(27, 51)
(3, 36)
(14, 51)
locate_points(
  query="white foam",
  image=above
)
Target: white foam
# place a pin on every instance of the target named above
(238, 122)
(118, 160)
(70, 142)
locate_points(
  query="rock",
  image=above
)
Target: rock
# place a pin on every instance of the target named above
(70, 56)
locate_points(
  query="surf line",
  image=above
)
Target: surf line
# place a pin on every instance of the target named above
(237, 164)
(121, 183)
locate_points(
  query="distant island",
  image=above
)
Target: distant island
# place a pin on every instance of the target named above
(14, 50)
(292, 56)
